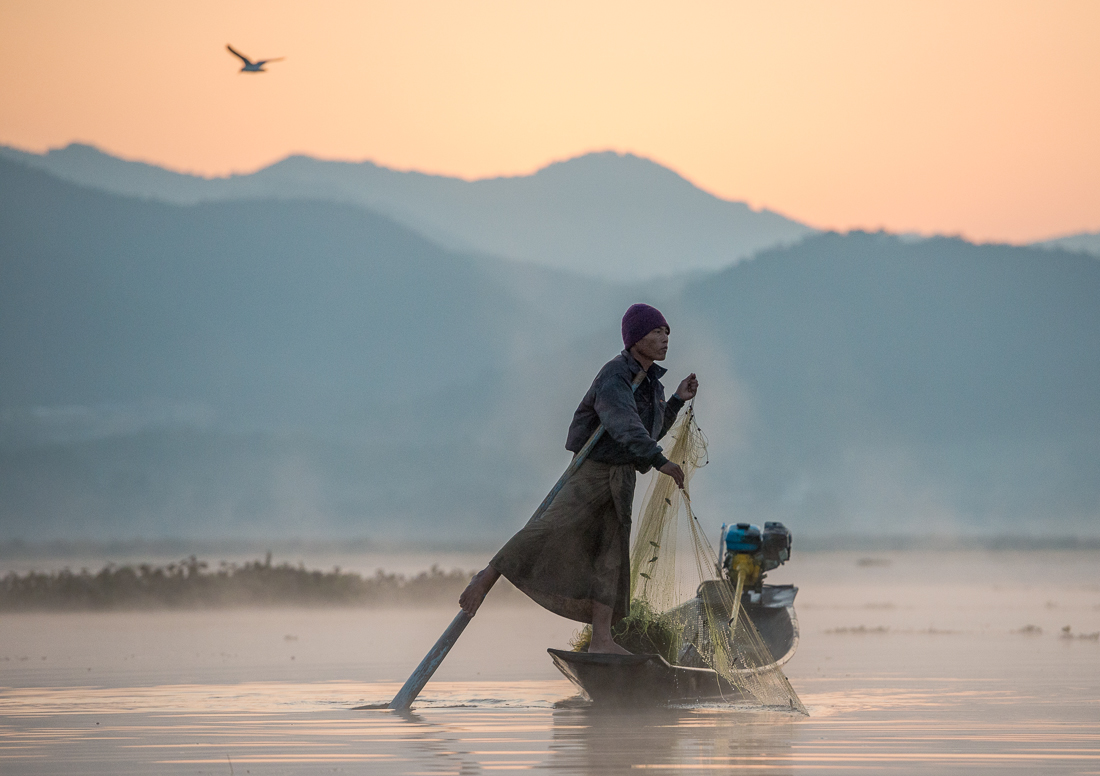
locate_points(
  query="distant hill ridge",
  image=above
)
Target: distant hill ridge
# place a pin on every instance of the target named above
(1085, 242)
(301, 368)
(609, 215)
(110, 298)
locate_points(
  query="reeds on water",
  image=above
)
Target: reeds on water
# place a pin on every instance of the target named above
(191, 584)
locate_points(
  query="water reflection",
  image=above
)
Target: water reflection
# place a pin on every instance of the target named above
(598, 740)
(435, 749)
(576, 737)
(475, 728)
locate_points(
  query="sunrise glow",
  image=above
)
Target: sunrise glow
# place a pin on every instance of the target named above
(975, 118)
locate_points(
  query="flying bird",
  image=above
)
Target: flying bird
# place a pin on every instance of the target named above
(249, 65)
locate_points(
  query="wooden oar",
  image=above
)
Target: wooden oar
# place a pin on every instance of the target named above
(415, 683)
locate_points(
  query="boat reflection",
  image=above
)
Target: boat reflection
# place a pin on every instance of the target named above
(597, 740)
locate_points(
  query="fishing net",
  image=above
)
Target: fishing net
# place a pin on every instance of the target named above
(682, 606)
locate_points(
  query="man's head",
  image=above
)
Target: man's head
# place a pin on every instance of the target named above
(646, 328)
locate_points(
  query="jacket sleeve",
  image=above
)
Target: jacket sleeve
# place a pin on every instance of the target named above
(614, 403)
(672, 409)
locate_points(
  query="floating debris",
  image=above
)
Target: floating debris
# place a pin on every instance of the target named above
(1067, 633)
(859, 629)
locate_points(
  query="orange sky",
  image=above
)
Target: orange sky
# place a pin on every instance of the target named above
(978, 118)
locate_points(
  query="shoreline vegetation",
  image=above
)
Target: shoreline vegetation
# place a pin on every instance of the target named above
(192, 584)
(25, 550)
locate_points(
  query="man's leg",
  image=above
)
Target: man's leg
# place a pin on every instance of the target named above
(476, 591)
(601, 631)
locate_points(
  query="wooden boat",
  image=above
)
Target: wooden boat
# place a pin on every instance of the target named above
(650, 679)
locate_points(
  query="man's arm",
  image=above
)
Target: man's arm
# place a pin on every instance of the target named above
(614, 404)
(672, 409)
(685, 392)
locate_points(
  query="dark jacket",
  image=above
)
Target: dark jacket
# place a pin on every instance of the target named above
(633, 422)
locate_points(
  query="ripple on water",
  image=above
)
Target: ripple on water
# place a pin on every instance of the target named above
(470, 727)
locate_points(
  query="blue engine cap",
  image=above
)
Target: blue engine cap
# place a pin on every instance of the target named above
(743, 537)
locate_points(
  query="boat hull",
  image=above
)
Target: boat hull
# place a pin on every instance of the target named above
(632, 680)
(629, 680)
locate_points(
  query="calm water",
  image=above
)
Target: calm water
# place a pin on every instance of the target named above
(908, 663)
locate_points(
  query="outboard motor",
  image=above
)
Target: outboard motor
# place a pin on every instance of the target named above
(751, 552)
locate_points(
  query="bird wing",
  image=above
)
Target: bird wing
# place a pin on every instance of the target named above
(265, 61)
(238, 54)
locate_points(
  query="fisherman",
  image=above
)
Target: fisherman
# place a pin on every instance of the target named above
(574, 559)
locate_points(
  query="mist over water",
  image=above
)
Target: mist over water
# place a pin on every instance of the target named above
(293, 368)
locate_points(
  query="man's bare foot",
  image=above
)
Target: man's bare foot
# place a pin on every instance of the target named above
(608, 647)
(602, 643)
(478, 588)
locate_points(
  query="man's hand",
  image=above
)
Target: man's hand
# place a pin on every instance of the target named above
(689, 386)
(675, 472)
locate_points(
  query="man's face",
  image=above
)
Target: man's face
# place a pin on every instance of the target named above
(654, 345)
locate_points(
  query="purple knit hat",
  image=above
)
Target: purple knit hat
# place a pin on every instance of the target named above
(639, 321)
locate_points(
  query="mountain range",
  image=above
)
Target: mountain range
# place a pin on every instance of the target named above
(308, 367)
(607, 215)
